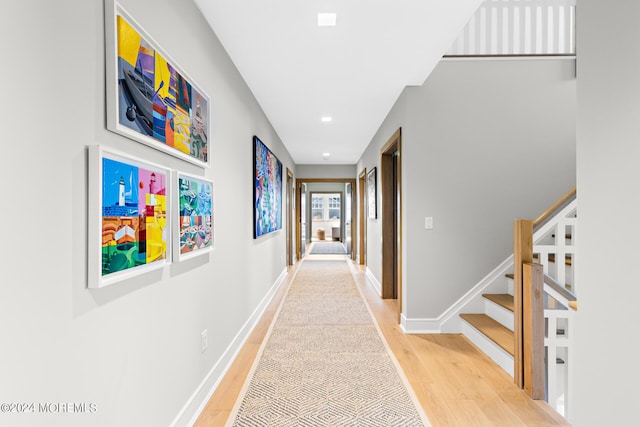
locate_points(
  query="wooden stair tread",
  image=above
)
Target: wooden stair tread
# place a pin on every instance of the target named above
(503, 300)
(552, 258)
(493, 330)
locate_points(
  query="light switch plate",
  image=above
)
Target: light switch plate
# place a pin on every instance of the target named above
(428, 223)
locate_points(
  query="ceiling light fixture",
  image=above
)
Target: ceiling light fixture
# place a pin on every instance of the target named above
(326, 119)
(327, 19)
(325, 156)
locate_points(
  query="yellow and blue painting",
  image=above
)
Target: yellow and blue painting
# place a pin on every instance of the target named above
(155, 100)
(267, 196)
(196, 214)
(134, 216)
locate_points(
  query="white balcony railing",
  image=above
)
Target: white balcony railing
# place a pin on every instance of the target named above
(519, 27)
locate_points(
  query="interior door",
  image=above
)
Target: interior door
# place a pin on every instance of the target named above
(347, 216)
(303, 219)
(290, 216)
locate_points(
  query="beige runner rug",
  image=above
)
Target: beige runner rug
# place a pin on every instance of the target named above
(324, 362)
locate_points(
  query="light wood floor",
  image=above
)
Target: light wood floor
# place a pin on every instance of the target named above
(456, 384)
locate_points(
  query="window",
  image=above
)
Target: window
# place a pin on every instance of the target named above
(334, 206)
(317, 207)
(326, 207)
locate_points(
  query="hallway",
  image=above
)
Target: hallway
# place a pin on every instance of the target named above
(456, 384)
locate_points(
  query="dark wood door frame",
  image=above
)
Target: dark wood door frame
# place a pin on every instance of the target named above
(290, 215)
(362, 221)
(299, 183)
(391, 195)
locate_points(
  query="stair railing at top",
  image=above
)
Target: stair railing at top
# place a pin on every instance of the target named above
(552, 242)
(518, 28)
(555, 208)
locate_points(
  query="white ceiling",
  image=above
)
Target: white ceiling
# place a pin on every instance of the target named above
(353, 72)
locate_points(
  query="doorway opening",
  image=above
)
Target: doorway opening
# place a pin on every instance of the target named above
(391, 194)
(326, 217)
(325, 213)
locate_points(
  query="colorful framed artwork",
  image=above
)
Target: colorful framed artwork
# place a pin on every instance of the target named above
(372, 191)
(194, 206)
(129, 217)
(149, 98)
(267, 191)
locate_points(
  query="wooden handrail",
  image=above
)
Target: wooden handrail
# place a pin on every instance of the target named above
(562, 201)
(566, 293)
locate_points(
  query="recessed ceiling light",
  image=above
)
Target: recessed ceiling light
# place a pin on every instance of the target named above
(325, 156)
(326, 119)
(326, 20)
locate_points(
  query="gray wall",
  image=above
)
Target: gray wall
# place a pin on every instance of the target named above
(132, 348)
(370, 159)
(484, 143)
(325, 171)
(606, 370)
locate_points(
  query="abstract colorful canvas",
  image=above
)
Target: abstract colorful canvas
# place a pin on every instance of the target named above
(133, 227)
(195, 219)
(153, 101)
(267, 195)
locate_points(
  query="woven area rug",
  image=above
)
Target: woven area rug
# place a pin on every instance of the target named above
(329, 248)
(324, 362)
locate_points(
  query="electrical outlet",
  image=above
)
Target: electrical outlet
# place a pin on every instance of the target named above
(204, 342)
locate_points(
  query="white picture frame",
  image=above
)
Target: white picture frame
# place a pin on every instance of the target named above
(194, 216)
(150, 99)
(129, 224)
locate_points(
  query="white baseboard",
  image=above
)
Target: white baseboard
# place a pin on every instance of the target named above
(419, 326)
(374, 282)
(472, 301)
(199, 399)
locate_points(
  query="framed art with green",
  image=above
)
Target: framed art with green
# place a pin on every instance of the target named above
(194, 216)
(129, 216)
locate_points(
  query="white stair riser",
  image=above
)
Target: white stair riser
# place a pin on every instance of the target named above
(491, 349)
(499, 314)
(509, 286)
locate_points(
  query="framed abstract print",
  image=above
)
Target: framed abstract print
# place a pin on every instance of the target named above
(150, 99)
(194, 219)
(267, 191)
(129, 216)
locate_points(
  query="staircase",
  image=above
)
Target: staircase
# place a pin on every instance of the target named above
(488, 319)
(492, 330)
